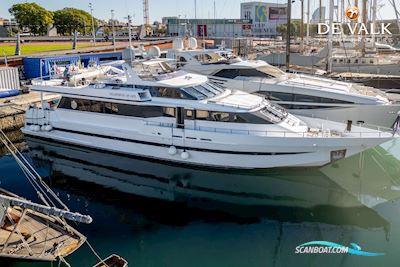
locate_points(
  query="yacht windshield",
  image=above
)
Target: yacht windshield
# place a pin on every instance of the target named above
(203, 91)
(271, 70)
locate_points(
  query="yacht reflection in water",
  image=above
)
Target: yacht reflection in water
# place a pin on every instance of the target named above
(184, 215)
(280, 193)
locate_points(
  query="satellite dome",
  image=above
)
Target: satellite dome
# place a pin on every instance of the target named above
(192, 43)
(177, 44)
(154, 51)
(128, 54)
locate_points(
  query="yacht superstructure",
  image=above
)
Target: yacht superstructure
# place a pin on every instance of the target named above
(301, 94)
(180, 117)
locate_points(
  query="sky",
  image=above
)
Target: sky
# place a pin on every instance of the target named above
(164, 8)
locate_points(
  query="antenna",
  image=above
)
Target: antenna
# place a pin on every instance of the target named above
(215, 13)
(146, 18)
(195, 9)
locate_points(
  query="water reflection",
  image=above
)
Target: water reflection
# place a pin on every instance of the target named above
(17, 138)
(279, 194)
(373, 176)
(155, 214)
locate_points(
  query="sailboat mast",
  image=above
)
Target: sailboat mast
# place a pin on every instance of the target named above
(308, 22)
(374, 8)
(397, 13)
(330, 45)
(355, 33)
(320, 11)
(343, 9)
(289, 22)
(364, 20)
(302, 26)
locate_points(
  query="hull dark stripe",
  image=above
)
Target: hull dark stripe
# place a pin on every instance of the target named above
(179, 147)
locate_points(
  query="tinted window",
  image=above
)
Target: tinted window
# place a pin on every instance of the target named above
(97, 106)
(219, 116)
(253, 73)
(329, 100)
(205, 91)
(116, 108)
(306, 98)
(65, 102)
(175, 93)
(253, 118)
(194, 93)
(227, 73)
(142, 111)
(277, 96)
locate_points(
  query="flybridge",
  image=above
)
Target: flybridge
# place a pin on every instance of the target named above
(358, 28)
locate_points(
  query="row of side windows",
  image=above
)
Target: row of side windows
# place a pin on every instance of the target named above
(279, 96)
(253, 118)
(116, 108)
(145, 111)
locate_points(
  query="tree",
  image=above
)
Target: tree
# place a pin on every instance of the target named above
(69, 20)
(294, 29)
(32, 16)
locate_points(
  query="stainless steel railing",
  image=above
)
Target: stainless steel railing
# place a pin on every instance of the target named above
(321, 134)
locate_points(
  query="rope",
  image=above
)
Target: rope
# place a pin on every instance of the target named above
(95, 253)
(29, 171)
(31, 178)
(63, 261)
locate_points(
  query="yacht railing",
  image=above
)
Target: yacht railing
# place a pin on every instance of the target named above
(362, 90)
(237, 105)
(310, 133)
(313, 86)
(57, 81)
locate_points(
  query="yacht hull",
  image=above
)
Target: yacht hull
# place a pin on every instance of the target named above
(382, 115)
(388, 69)
(245, 152)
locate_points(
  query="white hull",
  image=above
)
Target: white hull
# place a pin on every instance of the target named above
(296, 152)
(387, 69)
(382, 115)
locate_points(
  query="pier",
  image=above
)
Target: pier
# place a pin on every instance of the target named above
(12, 109)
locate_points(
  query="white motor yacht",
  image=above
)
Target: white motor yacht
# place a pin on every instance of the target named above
(301, 94)
(155, 112)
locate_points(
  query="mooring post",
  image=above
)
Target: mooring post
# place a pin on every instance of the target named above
(75, 40)
(18, 45)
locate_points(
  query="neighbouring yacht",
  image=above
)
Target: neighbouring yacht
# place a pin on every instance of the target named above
(301, 94)
(343, 60)
(175, 116)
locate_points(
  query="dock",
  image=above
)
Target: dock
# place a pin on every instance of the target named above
(15, 61)
(12, 109)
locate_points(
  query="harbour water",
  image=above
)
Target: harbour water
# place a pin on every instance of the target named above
(155, 214)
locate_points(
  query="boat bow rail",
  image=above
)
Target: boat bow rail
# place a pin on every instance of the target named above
(380, 132)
